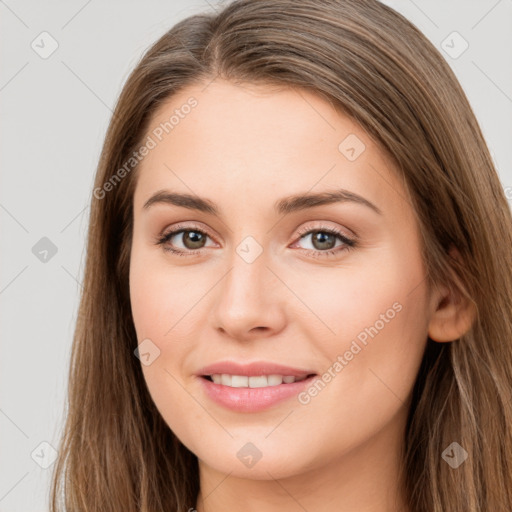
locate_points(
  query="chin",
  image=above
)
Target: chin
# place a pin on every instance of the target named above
(257, 460)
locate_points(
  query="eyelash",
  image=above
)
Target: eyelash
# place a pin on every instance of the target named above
(350, 244)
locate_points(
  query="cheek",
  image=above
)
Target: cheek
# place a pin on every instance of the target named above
(378, 313)
(159, 300)
(160, 296)
(339, 303)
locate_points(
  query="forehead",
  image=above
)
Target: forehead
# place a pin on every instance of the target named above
(251, 144)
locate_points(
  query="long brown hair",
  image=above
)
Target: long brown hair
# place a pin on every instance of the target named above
(117, 453)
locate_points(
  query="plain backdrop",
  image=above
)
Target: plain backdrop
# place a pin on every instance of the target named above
(63, 67)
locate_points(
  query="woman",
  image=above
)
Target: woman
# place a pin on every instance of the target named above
(298, 288)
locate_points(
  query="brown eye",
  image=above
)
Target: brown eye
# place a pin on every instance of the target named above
(323, 240)
(193, 239)
(184, 240)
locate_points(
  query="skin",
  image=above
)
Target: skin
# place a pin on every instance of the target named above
(243, 148)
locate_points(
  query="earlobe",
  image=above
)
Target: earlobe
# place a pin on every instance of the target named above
(454, 314)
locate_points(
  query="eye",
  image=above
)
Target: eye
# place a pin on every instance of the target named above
(192, 239)
(323, 240)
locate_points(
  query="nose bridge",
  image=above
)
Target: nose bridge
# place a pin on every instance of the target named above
(245, 298)
(246, 279)
(248, 257)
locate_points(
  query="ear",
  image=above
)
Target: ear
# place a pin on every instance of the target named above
(453, 314)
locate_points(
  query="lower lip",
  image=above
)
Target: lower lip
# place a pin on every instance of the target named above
(252, 399)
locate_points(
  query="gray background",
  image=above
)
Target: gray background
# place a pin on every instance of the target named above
(54, 114)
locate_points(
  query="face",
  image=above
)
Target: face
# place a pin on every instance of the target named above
(245, 275)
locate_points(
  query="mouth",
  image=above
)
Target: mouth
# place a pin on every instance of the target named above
(254, 381)
(253, 393)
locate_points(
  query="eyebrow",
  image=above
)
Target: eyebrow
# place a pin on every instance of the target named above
(283, 206)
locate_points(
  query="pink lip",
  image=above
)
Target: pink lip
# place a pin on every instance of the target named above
(252, 399)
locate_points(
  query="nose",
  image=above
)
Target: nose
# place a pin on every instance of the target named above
(249, 300)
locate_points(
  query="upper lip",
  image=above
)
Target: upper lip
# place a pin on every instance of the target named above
(253, 369)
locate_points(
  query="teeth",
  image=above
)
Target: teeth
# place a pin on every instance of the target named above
(239, 381)
(225, 379)
(275, 380)
(259, 381)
